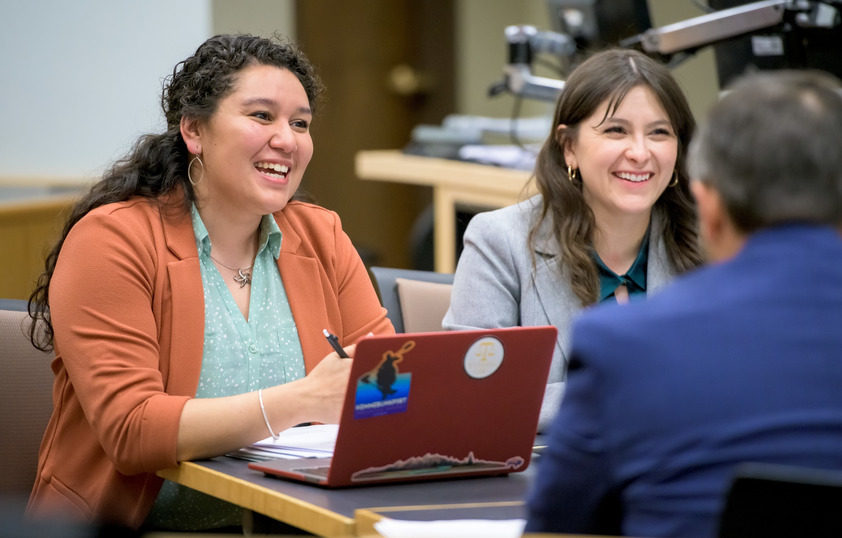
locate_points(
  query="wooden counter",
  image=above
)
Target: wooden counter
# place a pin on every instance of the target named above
(455, 184)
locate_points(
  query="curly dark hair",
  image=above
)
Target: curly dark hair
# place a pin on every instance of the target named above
(158, 163)
(606, 77)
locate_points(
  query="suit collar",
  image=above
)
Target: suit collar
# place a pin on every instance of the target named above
(177, 226)
(545, 242)
(556, 297)
(291, 239)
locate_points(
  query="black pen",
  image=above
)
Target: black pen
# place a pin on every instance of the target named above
(334, 343)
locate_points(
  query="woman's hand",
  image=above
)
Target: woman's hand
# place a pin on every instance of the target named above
(326, 385)
(213, 426)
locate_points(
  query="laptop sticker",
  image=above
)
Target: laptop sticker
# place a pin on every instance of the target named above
(484, 357)
(435, 464)
(384, 390)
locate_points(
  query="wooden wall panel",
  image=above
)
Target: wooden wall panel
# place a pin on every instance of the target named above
(27, 231)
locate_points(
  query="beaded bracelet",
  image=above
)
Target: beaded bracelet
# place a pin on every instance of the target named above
(274, 435)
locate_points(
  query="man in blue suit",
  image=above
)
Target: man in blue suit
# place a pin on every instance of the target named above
(740, 361)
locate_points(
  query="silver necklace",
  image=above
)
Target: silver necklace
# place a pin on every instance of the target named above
(241, 278)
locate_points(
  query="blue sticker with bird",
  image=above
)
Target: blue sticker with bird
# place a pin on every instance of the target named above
(384, 390)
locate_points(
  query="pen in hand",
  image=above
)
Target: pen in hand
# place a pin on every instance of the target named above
(334, 343)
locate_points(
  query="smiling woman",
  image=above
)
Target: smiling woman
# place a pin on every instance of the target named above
(626, 158)
(203, 326)
(249, 158)
(614, 220)
(254, 149)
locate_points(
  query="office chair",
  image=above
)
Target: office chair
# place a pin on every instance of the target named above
(779, 501)
(16, 305)
(416, 301)
(26, 402)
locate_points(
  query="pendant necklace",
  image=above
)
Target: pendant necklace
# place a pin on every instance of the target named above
(242, 278)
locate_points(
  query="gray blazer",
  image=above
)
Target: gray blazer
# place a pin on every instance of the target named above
(496, 285)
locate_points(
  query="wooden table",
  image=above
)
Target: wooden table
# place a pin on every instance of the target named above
(455, 184)
(351, 511)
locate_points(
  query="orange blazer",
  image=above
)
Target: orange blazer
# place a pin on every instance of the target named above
(127, 307)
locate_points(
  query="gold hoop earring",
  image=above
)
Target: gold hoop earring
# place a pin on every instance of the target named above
(571, 173)
(190, 167)
(674, 181)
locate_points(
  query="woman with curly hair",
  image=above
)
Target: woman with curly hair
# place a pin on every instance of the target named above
(613, 221)
(187, 296)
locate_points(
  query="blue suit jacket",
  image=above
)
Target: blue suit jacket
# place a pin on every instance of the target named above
(736, 362)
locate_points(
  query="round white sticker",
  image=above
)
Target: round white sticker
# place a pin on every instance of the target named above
(484, 357)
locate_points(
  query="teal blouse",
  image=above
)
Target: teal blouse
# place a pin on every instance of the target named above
(634, 279)
(243, 356)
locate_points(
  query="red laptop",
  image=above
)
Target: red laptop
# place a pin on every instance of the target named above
(425, 406)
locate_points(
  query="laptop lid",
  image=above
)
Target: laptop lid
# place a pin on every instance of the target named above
(424, 406)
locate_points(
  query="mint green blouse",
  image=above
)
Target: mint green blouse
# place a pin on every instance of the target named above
(239, 356)
(243, 356)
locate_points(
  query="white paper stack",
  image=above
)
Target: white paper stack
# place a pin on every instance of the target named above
(316, 441)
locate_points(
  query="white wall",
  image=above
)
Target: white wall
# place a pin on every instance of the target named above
(257, 17)
(80, 80)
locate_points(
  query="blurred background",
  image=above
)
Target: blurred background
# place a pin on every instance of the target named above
(82, 79)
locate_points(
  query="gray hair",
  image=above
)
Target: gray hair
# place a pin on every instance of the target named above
(772, 148)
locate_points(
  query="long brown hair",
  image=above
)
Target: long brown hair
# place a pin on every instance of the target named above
(158, 163)
(606, 77)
